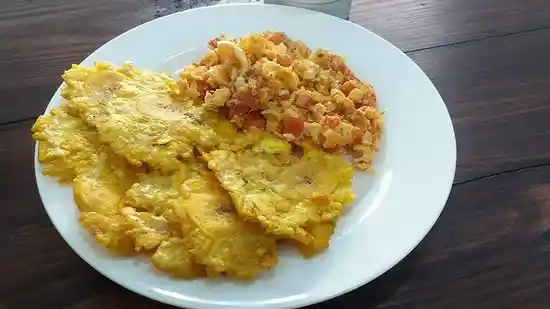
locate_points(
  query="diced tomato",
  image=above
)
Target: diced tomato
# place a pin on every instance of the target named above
(277, 38)
(357, 135)
(239, 109)
(224, 112)
(293, 125)
(297, 151)
(284, 60)
(347, 87)
(254, 119)
(303, 100)
(246, 98)
(336, 149)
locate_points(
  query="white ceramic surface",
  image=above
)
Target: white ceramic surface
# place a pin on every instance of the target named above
(393, 211)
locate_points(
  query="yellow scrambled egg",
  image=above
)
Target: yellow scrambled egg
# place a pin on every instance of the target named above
(269, 81)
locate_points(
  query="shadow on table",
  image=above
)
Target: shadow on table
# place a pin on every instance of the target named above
(377, 291)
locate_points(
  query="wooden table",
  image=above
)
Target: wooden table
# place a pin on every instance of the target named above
(490, 59)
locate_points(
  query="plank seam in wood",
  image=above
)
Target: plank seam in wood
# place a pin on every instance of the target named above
(478, 39)
(520, 169)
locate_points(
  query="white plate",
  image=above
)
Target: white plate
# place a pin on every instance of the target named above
(393, 211)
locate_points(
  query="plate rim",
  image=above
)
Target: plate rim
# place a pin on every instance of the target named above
(294, 303)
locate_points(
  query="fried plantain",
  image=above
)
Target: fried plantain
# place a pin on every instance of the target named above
(173, 257)
(132, 113)
(217, 236)
(65, 144)
(291, 196)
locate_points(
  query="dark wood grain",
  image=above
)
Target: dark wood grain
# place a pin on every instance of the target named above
(497, 92)
(41, 39)
(490, 249)
(418, 24)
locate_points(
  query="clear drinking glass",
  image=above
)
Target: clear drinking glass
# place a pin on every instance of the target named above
(338, 8)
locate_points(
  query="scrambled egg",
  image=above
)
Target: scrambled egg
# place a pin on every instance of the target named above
(268, 81)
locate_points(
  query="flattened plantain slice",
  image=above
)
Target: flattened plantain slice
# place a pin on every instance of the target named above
(216, 235)
(65, 144)
(286, 194)
(152, 225)
(173, 257)
(132, 112)
(147, 209)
